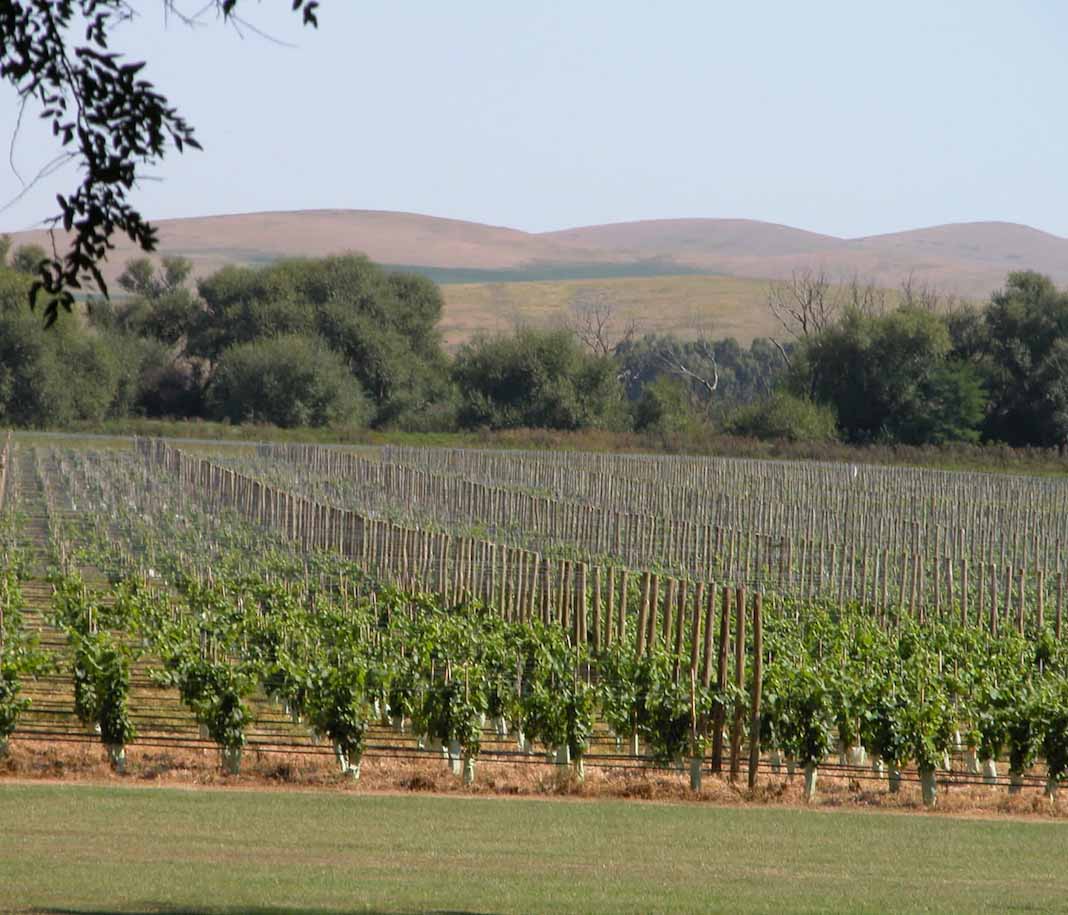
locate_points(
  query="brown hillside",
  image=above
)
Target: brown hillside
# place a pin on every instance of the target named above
(686, 239)
(990, 245)
(969, 259)
(389, 238)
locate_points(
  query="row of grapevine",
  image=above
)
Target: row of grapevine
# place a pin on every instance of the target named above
(892, 579)
(296, 608)
(20, 655)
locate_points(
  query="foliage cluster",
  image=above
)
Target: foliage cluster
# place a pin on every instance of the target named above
(340, 343)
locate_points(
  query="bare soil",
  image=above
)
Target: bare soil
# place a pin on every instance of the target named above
(86, 763)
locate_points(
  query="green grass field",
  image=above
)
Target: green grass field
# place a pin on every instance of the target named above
(93, 850)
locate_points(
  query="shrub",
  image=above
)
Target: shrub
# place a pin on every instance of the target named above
(288, 380)
(783, 416)
(536, 379)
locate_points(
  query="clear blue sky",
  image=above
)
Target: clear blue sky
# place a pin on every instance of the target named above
(850, 118)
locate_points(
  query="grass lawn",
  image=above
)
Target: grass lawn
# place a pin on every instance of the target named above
(90, 849)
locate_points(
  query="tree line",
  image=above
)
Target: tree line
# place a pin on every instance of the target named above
(339, 341)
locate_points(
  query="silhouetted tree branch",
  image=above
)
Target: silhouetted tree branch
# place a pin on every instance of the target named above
(105, 116)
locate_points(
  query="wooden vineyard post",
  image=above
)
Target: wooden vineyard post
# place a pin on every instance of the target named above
(949, 584)
(758, 681)
(877, 573)
(1008, 593)
(516, 581)
(710, 631)
(610, 608)
(528, 583)
(993, 599)
(1040, 619)
(782, 563)
(852, 571)
(500, 594)
(964, 591)
(789, 551)
(695, 629)
(654, 606)
(581, 606)
(621, 623)
(643, 614)
(937, 580)
(680, 628)
(547, 591)
(597, 633)
(902, 574)
(1060, 606)
(884, 605)
(671, 586)
(864, 576)
(566, 588)
(840, 570)
(1020, 603)
(739, 682)
(719, 712)
(914, 584)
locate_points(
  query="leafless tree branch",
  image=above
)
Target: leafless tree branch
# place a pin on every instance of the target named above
(677, 366)
(782, 351)
(596, 323)
(864, 296)
(924, 296)
(805, 304)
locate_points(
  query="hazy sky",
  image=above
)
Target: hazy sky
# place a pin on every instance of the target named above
(849, 118)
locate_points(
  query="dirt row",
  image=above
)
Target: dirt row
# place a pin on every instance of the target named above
(86, 763)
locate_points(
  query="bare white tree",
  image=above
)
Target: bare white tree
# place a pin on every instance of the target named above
(703, 382)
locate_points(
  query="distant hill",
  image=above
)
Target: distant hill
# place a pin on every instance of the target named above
(694, 240)
(625, 260)
(967, 259)
(389, 238)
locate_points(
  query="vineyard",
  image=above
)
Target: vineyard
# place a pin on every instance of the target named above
(756, 621)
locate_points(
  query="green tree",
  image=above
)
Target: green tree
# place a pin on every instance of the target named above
(161, 306)
(537, 379)
(27, 258)
(384, 325)
(664, 407)
(289, 380)
(1027, 333)
(140, 277)
(892, 377)
(740, 376)
(53, 379)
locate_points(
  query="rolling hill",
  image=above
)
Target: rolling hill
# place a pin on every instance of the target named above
(674, 272)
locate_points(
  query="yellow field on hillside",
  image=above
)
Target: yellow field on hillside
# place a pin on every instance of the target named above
(689, 306)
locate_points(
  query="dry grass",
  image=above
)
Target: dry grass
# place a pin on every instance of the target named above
(688, 306)
(33, 761)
